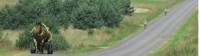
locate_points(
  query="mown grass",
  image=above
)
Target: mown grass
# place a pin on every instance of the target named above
(184, 42)
(156, 6)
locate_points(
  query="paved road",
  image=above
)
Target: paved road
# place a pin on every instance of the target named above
(154, 35)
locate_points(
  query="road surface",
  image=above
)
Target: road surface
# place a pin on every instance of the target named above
(154, 35)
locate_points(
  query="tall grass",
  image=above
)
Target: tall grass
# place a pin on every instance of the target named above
(7, 2)
(1, 34)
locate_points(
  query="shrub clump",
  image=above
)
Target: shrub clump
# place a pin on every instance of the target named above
(59, 43)
(87, 17)
(25, 39)
(82, 14)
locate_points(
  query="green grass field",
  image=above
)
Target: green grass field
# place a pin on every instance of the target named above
(81, 42)
(184, 42)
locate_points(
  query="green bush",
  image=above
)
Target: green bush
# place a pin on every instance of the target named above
(80, 13)
(53, 7)
(124, 6)
(87, 17)
(25, 39)
(51, 22)
(7, 17)
(20, 15)
(70, 6)
(109, 13)
(59, 43)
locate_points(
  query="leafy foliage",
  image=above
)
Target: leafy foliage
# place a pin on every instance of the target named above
(124, 6)
(51, 22)
(87, 17)
(59, 43)
(82, 14)
(109, 13)
(25, 39)
(54, 7)
(20, 15)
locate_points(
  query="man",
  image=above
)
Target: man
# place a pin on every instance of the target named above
(41, 35)
(145, 22)
(166, 11)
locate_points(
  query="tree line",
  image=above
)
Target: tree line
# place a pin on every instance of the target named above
(81, 14)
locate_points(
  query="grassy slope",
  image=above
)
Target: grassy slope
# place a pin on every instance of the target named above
(184, 41)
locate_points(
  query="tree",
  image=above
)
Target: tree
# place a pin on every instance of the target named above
(70, 5)
(109, 13)
(87, 17)
(27, 11)
(9, 17)
(25, 39)
(82, 14)
(51, 22)
(54, 7)
(124, 6)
